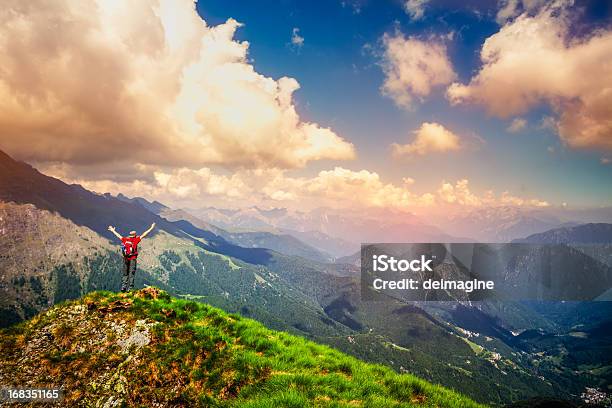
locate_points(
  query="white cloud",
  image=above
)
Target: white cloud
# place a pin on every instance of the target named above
(412, 67)
(199, 183)
(335, 188)
(605, 160)
(460, 194)
(533, 59)
(517, 125)
(415, 8)
(429, 138)
(123, 82)
(296, 39)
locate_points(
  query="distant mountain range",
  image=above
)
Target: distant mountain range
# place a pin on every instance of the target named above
(281, 242)
(599, 233)
(338, 232)
(505, 223)
(582, 238)
(155, 207)
(498, 224)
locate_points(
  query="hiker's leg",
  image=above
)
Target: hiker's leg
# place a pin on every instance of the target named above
(132, 273)
(125, 275)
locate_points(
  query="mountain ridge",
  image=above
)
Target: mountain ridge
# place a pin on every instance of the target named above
(590, 233)
(23, 184)
(284, 243)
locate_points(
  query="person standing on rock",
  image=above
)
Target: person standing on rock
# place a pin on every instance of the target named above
(129, 249)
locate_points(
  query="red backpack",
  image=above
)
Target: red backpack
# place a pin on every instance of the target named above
(129, 248)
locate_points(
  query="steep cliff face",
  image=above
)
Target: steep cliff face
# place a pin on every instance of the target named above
(148, 349)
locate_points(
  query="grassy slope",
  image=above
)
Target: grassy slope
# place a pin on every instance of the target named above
(146, 348)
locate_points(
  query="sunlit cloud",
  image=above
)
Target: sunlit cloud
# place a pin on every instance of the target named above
(151, 83)
(572, 75)
(428, 138)
(336, 188)
(415, 8)
(413, 67)
(460, 193)
(517, 125)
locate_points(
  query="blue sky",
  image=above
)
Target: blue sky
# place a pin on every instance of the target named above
(340, 77)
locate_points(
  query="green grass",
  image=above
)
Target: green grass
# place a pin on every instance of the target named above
(201, 356)
(475, 347)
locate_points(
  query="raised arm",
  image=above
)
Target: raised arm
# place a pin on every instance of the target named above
(114, 231)
(147, 232)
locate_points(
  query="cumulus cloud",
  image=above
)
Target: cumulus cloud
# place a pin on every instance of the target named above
(412, 67)
(190, 187)
(364, 186)
(336, 188)
(184, 183)
(415, 8)
(517, 125)
(147, 82)
(367, 190)
(178, 187)
(460, 194)
(428, 138)
(534, 59)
